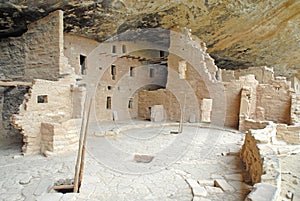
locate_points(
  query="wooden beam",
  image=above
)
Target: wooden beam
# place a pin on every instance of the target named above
(14, 84)
(84, 143)
(79, 155)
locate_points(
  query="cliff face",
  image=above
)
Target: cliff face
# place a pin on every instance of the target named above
(237, 33)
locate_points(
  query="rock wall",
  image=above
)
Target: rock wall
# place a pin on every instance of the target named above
(262, 74)
(12, 58)
(43, 47)
(74, 46)
(10, 100)
(289, 134)
(37, 53)
(275, 99)
(164, 97)
(262, 163)
(47, 102)
(233, 91)
(295, 109)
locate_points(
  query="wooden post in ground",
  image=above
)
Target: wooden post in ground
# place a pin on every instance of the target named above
(84, 143)
(181, 116)
(80, 147)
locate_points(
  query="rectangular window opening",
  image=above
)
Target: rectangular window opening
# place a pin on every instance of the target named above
(113, 72)
(131, 71)
(113, 49)
(130, 103)
(108, 102)
(83, 64)
(123, 48)
(42, 99)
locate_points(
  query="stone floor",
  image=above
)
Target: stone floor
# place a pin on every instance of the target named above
(112, 173)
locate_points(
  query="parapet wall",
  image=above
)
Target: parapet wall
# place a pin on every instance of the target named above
(262, 74)
(262, 163)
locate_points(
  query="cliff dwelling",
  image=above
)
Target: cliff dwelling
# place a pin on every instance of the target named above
(144, 114)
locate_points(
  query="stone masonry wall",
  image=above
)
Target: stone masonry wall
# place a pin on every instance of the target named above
(37, 53)
(47, 102)
(289, 134)
(262, 74)
(275, 99)
(295, 109)
(262, 163)
(12, 54)
(43, 46)
(74, 46)
(10, 100)
(233, 98)
(164, 97)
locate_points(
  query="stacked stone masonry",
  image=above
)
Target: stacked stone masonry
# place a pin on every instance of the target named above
(262, 163)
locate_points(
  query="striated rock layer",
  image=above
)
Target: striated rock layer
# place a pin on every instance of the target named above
(238, 33)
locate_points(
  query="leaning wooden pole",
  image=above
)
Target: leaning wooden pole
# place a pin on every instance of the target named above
(84, 143)
(78, 162)
(181, 116)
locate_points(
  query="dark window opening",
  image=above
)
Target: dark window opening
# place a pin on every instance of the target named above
(123, 48)
(161, 53)
(42, 99)
(130, 103)
(113, 49)
(151, 72)
(131, 71)
(113, 72)
(109, 87)
(83, 64)
(108, 102)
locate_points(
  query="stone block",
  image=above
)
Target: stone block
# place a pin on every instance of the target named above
(157, 113)
(199, 191)
(213, 190)
(206, 104)
(222, 183)
(262, 192)
(143, 158)
(192, 183)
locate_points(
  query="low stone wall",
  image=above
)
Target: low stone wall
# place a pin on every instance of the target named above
(60, 138)
(253, 124)
(289, 134)
(262, 163)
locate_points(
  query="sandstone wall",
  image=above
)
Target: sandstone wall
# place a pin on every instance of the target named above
(262, 74)
(37, 53)
(47, 102)
(275, 99)
(43, 47)
(289, 134)
(12, 58)
(120, 87)
(158, 97)
(233, 91)
(295, 109)
(74, 46)
(296, 84)
(262, 163)
(10, 100)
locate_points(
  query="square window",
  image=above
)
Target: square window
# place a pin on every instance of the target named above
(42, 99)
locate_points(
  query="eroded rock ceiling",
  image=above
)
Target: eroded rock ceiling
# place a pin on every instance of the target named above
(238, 33)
